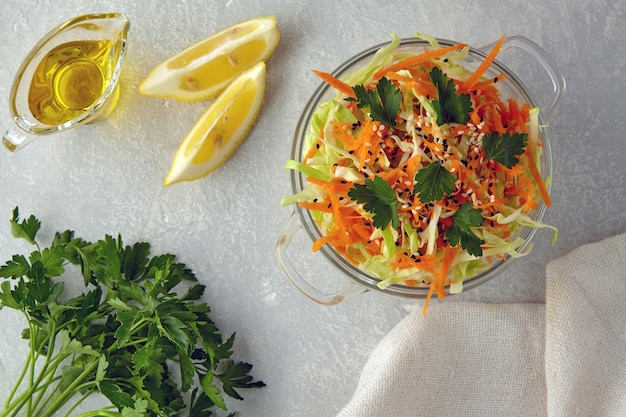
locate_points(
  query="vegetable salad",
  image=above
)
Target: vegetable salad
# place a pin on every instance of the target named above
(419, 172)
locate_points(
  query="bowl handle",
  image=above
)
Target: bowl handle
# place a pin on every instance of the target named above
(542, 57)
(282, 250)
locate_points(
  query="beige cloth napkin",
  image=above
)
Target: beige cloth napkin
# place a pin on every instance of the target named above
(566, 357)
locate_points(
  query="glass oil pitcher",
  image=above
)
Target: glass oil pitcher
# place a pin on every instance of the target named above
(69, 78)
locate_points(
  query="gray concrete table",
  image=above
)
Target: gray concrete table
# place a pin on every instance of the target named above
(106, 178)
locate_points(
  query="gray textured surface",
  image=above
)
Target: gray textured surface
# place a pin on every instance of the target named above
(106, 178)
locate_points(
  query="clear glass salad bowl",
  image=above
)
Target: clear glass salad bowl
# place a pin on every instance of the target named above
(358, 282)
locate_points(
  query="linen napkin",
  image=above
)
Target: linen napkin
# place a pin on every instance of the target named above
(566, 357)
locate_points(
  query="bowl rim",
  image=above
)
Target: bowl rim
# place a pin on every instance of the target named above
(297, 178)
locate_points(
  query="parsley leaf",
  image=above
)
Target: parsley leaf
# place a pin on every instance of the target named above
(27, 229)
(460, 231)
(450, 106)
(235, 375)
(433, 182)
(379, 199)
(505, 148)
(383, 103)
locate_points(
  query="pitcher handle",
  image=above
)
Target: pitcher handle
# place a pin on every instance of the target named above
(15, 138)
(548, 64)
(291, 270)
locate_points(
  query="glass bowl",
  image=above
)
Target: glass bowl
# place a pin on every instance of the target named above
(299, 272)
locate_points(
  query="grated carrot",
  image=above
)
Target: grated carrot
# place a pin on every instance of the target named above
(335, 82)
(438, 284)
(417, 59)
(467, 85)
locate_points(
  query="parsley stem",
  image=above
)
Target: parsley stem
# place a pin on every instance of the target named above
(33, 359)
(14, 405)
(133, 343)
(38, 387)
(79, 402)
(100, 413)
(72, 389)
(46, 370)
(19, 381)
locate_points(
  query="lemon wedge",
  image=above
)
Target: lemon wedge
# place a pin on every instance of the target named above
(203, 70)
(221, 129)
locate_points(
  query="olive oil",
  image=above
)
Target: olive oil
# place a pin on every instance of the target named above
(69, 80)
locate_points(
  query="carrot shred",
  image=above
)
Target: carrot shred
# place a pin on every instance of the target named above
(313, 150)
(534, 171)
(417, 59)
(317, 245)
(438, 284)
(467, 85)
(334, 82)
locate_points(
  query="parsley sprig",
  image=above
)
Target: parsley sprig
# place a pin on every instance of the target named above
(433, 182)
(138, 334)
(505, 148)
(379, 199)
(449, 106)
(460, 230)
(383, 102)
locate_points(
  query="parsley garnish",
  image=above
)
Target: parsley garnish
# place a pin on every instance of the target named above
(460, 231)
(383, 103)
(505, 148)
(450, 106)
(128, 336)
(379, 199)
(433, 182)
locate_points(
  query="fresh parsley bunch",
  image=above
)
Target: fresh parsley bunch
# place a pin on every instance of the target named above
(130, 336)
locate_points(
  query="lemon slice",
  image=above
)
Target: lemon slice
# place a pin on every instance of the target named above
(206, 68)
(221, 129)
